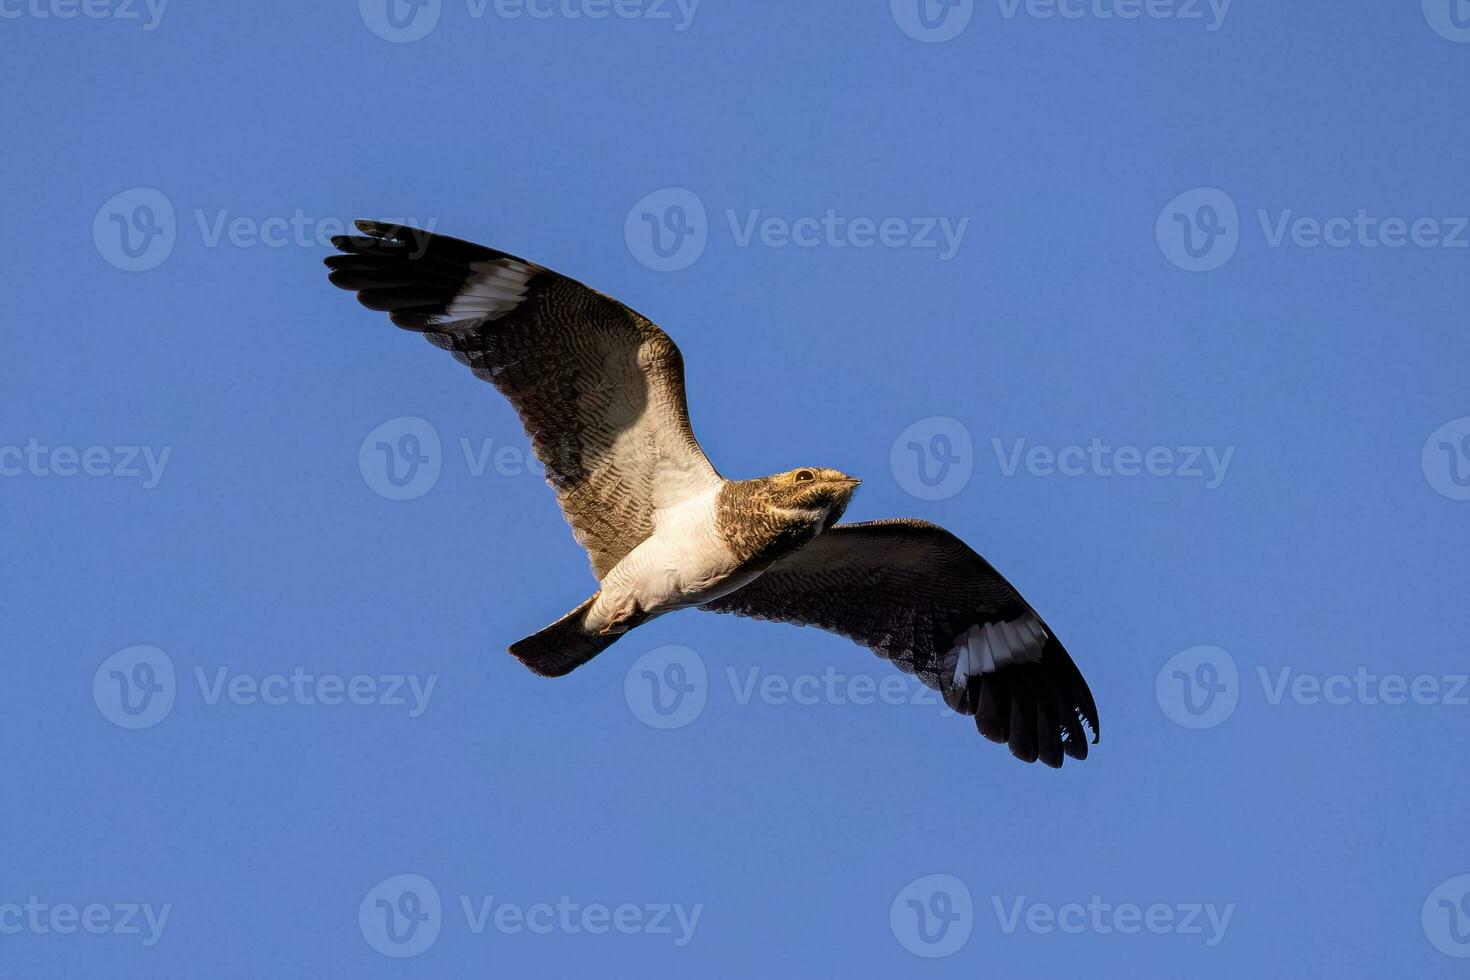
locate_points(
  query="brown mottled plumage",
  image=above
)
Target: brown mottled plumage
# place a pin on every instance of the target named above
(600, 390)
(749, 513)
(581, 369)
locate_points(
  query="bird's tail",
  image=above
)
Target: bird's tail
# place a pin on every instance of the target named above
(563, 646)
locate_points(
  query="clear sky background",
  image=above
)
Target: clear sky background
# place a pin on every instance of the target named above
(1128, 288)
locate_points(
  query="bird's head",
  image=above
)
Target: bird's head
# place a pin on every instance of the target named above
(811, 494)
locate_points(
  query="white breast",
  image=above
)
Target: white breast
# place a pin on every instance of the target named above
(683, 563)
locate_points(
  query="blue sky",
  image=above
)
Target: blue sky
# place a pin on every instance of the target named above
(1161, 306)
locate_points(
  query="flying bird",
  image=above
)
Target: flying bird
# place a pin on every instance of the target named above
(600, 390)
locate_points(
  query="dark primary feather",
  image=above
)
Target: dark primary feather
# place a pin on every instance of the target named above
(906, 589)
(599, 388)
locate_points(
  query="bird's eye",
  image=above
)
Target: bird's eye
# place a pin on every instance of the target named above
(804, 476)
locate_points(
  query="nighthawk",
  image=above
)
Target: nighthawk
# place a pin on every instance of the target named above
(600, 390)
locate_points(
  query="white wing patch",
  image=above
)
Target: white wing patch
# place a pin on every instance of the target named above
(494, 289)
(985, 649)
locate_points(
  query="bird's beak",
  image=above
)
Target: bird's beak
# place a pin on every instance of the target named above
(851, 483)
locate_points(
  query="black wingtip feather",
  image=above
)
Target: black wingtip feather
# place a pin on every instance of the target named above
(421, 319)
(1071, 686)
(1048, 720)
(1043, 711)
(993, 708)
(1023, 718)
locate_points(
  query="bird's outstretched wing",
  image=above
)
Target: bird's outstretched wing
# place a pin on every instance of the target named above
(916, 594)
(599, 388)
